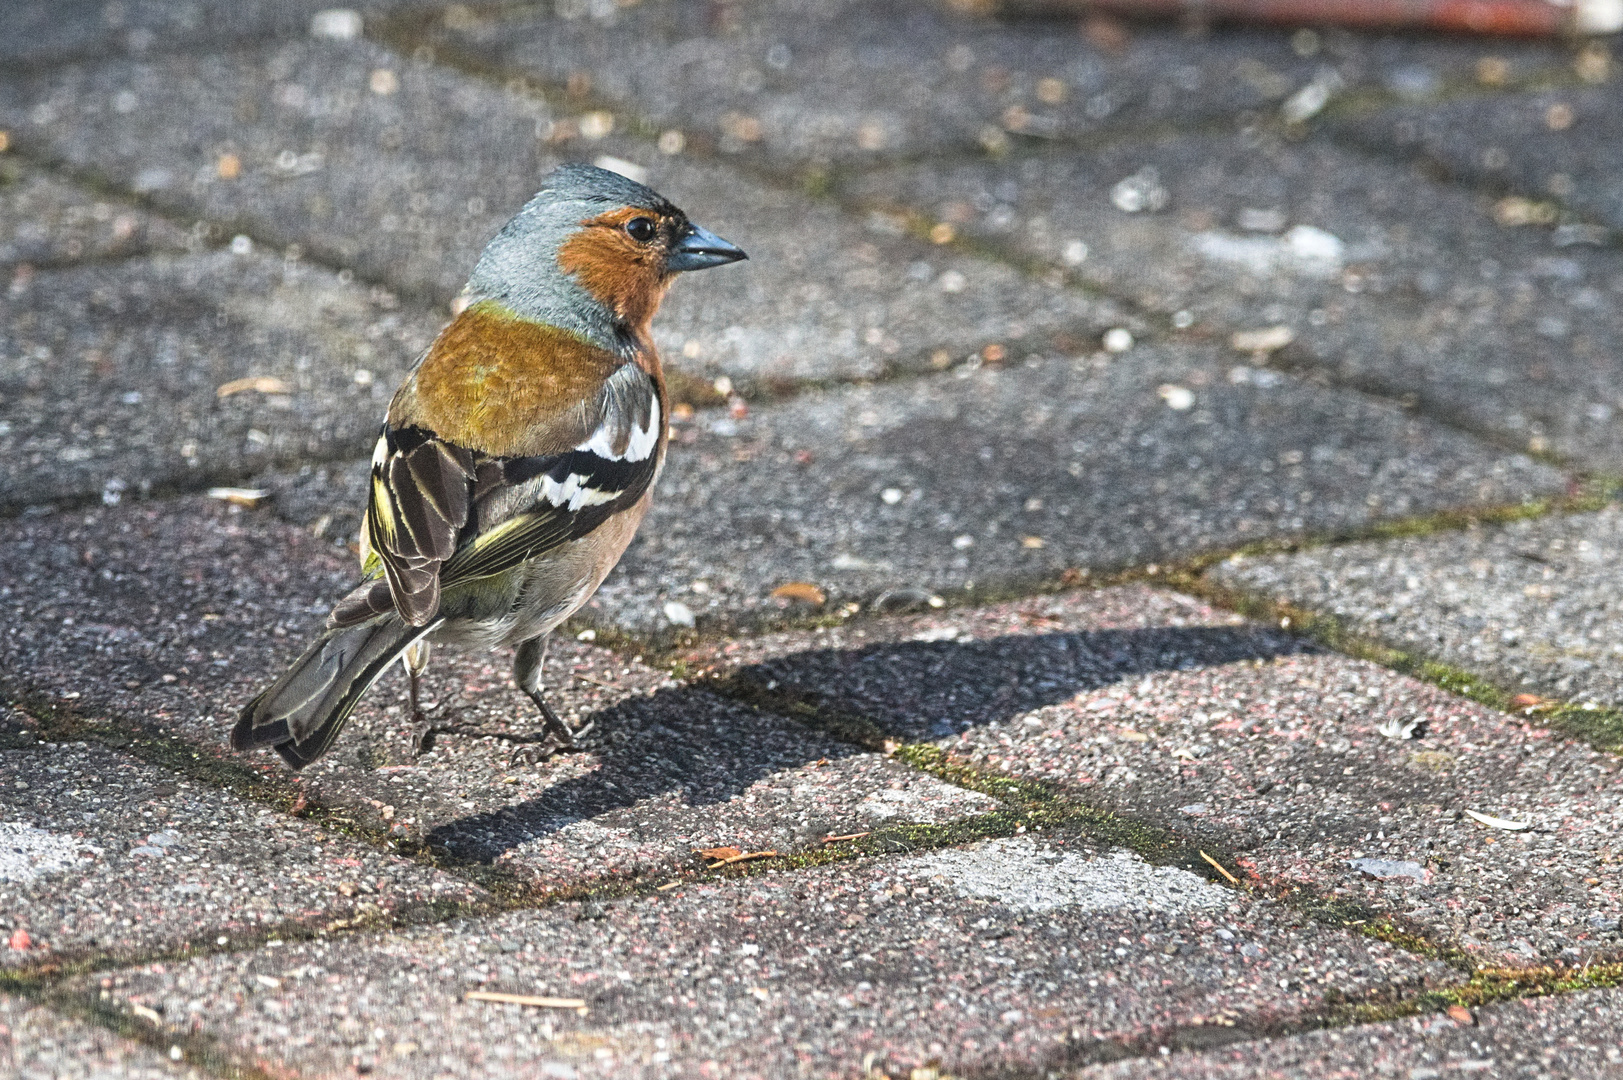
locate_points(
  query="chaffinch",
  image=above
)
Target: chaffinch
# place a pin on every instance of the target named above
(517, 460)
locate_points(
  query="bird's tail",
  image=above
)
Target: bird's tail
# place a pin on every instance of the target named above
(303, 711)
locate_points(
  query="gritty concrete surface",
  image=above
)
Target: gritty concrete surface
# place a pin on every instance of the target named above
(1576, 1035)
(800, 84)
(1556, 146)
(991, 478)
(997, 477)
(45, 32)
(45, 221)
(138, 376)
(38, 1044)
(102, 855)
(882, 963)
(183, 612)
(1530, 605)
(408, 186)
(1367, 271)
(1167, 710)
(982, 348)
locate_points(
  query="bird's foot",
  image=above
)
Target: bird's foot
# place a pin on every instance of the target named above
(555, 737)
(534, 746)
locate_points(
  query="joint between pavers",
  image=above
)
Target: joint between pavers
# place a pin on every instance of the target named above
(195, 1049)
(1601, 728)
(216, 232)
(1440, 172)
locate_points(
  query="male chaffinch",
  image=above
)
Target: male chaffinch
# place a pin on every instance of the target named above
(517, 460)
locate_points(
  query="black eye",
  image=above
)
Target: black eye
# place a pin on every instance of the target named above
(641, 229)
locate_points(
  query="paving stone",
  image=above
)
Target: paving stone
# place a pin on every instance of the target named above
(1169, 711)
(1383, 278)
(183, 610)
(41, 32)
(107, 857)
(45, 221)
(1569, 1035)
(38, 1044)
(1532, 605)
(797, 83)
(110, 375)
(884, 964)
(1000, 478)
(1558, 145)
(408, 186)
(1003, 478)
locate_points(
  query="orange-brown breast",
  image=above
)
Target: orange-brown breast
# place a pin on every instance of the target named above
(626, 277)
(504, 385)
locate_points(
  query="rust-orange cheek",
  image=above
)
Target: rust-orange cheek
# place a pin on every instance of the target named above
(618, 272)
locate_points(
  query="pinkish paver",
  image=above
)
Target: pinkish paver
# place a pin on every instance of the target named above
(171, 616)
(1570, 1035)
(106, 857)
(1028, 953)
(1165, 709)
(36, 1042)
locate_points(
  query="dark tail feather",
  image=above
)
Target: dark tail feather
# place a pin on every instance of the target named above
(303, 711)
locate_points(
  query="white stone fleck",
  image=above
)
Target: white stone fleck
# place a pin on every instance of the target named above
(27, 853)
(1018, 873)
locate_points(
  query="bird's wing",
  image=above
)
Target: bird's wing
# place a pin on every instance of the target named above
(537, 503)
(440, 514)
(418, 509)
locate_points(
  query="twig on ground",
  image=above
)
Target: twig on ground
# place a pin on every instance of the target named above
(578, 1004)
(1232, 879)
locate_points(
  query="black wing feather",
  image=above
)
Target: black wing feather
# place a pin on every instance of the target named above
(440, 514)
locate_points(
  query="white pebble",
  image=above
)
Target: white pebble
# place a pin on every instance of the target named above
(1118, 340)
(336, 24)
(678, 613)
(1176, 397)
(1140, 192)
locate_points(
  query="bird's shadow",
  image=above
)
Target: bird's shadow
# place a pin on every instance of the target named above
(690, 745)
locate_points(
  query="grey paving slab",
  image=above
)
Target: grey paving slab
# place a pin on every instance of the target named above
(1532, 606)
(38, 1044)
(813, 82)
(1202, 723)
(169, 617)
(1019, 955)
(1571, 1035)
(1380, 276)
(407, 186)
(45, 221)
(137, 375)
(991, 478)
(1557, 146)
(41, 32)
(104, 857)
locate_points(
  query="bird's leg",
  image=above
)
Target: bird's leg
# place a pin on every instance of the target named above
(414, 660)
(554, 736)
(528, 662)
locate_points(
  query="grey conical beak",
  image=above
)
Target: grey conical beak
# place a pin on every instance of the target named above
(700, 250)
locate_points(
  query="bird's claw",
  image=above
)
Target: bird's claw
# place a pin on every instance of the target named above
(557, 738)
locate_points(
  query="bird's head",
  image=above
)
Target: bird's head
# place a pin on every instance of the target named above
(593, 253)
